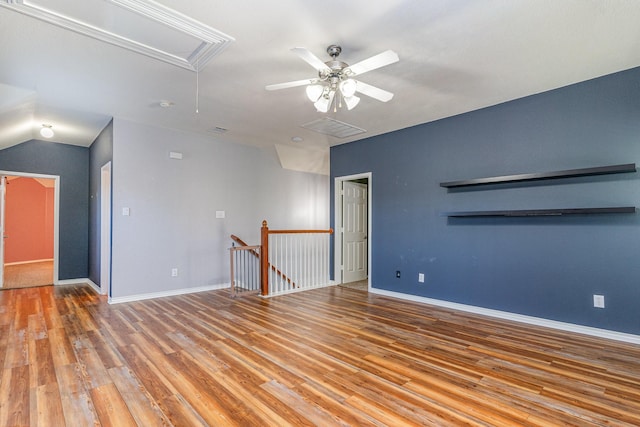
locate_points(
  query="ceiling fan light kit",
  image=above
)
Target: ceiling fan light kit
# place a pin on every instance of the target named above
(314, 92)
(324, 103)
(351, 102)
(348, 88)
(335, 83)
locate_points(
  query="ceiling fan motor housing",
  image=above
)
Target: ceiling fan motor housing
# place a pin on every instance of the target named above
(334, 50)
(336, 74)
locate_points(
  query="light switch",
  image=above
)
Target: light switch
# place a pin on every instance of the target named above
(220, 214)
(125, 211)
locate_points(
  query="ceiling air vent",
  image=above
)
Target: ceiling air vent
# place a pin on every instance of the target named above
(332, 127)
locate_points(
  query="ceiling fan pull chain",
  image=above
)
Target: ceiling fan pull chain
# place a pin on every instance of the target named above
(197, 85)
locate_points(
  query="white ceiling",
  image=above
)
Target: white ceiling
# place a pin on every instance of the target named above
(455, 56)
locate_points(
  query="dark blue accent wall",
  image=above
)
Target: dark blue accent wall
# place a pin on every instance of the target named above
(100, 153)
(71, 163)
(547, 267)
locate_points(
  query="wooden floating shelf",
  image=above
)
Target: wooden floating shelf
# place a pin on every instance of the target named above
(543, 212)
(603, 170)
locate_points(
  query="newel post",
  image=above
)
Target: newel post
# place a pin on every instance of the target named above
(264, 259)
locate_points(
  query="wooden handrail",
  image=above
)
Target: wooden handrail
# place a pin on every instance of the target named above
(242, 243)
(329, 231)
(257, 255)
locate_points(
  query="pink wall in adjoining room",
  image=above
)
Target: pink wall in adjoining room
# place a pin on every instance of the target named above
(29, 210)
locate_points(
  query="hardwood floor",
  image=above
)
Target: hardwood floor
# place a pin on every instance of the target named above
(327, 357)
(362, 285)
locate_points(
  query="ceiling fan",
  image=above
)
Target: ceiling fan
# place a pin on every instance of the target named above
(335, 82)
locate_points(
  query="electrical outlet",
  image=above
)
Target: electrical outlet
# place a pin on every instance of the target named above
(421, 277)
(598, 301)
(174, 272)
(398, 274)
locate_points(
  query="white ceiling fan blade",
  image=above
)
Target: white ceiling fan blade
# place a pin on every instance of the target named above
(287, 85)
(377, 61)
(310, 58)
(373, 92)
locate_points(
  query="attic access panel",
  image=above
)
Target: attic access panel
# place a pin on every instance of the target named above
(142, 26)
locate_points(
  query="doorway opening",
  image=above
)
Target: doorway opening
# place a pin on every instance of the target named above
(105, 229)
(29, 228)
(353, 230)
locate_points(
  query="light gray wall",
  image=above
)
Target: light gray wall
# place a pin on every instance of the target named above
(173, 204)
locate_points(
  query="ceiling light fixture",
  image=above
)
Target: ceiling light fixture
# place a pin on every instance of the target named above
(46, 131)
(335, 84)
(336, 89)
(314, 92)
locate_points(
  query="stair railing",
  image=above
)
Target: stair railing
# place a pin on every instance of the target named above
(256, 253)
(301, 257)
(245, 270)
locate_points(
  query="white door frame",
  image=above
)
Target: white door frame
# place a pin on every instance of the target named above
(337, 249)
(56, 215)
(105, 229)
(3, 199)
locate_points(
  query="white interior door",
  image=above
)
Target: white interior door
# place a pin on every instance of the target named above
(2, 237)
(354, 223)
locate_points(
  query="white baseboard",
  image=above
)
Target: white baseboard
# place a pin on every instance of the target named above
(537, 321)
(28, 262)
(80, 281)
(94, 286)
(83, 281)
(140, 297)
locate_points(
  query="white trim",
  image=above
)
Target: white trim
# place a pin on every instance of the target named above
(537, 321)
(3, 192)
(212, 41)
(94, 286)
(84, 281)
(33, 261)
(140, 297)
(337, 241)
(105, 228)
(80, 281)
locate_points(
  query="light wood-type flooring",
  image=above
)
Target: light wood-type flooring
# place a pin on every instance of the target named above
(28, 274)
(362, 285)
(327, 357)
